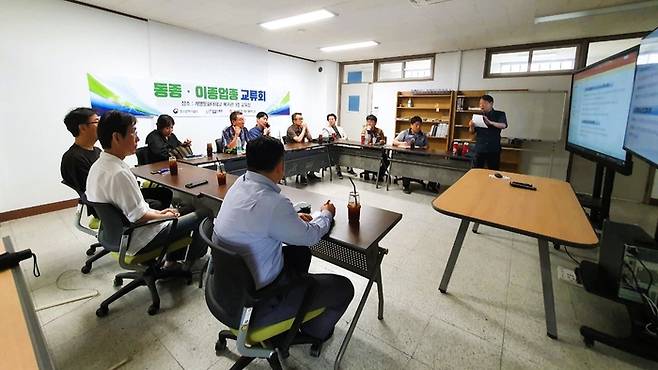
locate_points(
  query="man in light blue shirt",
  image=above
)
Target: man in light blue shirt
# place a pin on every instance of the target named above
(272, 221)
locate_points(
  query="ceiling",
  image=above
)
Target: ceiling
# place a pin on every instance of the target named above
(399, 27)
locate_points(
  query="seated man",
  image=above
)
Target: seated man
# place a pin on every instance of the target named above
(234, 137)
(82, 123)
(333, 129)
(405, 139)
(261, 128)
(110, 181)
(375, 136)
(162, 142)
(256, 196)
(298, 133)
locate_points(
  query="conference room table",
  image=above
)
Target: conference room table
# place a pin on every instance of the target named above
(549, 213)
(299, 159)
(22, 343)
(356, 155)
(426, 164)
(354, 247)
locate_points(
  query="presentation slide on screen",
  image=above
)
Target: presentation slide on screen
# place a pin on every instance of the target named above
(642, 131)
(600, 102)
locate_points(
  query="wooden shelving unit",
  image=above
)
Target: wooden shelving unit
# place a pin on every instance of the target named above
(437, 108)
(432, 108)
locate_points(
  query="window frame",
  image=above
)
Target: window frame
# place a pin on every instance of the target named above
(580, 61)
(404, 60)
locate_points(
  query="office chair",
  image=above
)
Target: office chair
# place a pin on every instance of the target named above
(219, 143)
(115, 234)
(231, 296)
(142, 156)
(90, 229)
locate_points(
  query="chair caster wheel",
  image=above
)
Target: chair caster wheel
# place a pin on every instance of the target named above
(91, 251)
(102, 311)
(118, 281)
(589, 343)
(153, 309)
(220, 346)
(85, 269)
(315, 350)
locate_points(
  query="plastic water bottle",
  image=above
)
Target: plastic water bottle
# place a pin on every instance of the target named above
(238, 147)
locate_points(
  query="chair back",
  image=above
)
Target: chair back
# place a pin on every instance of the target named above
(219, 143)
(113, 224)
(229, 283)
(83, 199)
(142, 156)
(286, 139)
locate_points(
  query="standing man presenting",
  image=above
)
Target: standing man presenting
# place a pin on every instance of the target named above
(487, 147)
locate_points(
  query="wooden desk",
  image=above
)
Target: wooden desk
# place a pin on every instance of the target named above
(290, 147)
(353, 247)
(233, 163)
(199, 161)
(22, 342)
(552, 213)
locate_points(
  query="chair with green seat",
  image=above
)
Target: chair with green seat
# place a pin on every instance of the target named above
(231, 296)
(90, 229)
(145, 267)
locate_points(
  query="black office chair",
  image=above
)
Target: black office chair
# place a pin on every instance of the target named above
(231, 296)
(219, 143)
(90, 229)
(115, 234)
(142, 156)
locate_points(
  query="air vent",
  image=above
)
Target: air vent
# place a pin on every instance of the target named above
(424, 3)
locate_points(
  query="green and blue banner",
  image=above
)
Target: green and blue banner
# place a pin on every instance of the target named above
(184, 99)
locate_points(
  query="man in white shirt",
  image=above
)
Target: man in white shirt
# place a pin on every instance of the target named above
(110, 181)
(333, 129)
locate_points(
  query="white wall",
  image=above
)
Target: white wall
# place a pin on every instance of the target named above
(384, 94)
(327, 91)
(464, 71)
(49, 46)
(46, 49)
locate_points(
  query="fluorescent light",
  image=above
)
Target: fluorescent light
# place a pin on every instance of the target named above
(298, 19)
(599, 11)
(356, 45)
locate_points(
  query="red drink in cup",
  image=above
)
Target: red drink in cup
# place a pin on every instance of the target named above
(173, 166)
(354, 208)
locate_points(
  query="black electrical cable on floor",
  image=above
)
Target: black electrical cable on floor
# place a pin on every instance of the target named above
(570, 256)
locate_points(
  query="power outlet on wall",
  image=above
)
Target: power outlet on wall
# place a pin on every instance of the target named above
(568, 275)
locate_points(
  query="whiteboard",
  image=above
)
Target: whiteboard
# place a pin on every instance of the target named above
(535, 115)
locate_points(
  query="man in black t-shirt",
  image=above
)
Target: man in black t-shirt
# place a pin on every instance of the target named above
(487, 146)
(82, 123)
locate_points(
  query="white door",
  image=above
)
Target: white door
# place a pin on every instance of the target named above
(355, 105)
